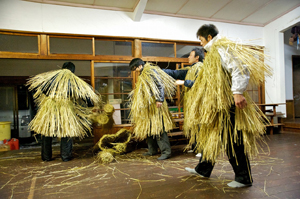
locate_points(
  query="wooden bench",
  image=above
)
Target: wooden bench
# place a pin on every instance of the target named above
(271, 113)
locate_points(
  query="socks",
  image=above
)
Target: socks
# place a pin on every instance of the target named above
(235, 184)
(193, 171)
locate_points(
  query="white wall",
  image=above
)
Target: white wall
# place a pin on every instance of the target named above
(30, 16)
(288, 52)
(274, 43)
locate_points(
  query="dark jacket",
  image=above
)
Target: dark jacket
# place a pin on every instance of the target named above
(180, 74)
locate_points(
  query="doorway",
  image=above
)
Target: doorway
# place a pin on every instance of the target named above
(296, 84)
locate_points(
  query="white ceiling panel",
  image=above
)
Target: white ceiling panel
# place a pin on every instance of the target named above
(202, 8)
(89, 2)
(166, 6)
(117, 3)
(237, 10)
(271, 11)
(249, 12)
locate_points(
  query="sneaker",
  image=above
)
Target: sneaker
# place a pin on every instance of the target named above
(193, 171)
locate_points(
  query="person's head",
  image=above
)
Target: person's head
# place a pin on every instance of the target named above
(206, 33)
(136, 64)
(70, 66)
(196, 55)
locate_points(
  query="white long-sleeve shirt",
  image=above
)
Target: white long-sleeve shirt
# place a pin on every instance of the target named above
(240, 79)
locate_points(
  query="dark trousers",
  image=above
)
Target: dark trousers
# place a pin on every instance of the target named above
(240, 163)
(66, 146)
(162, 142)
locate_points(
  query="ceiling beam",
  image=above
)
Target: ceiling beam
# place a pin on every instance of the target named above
(139, 10)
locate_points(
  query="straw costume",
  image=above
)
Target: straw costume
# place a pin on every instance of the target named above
(188, 83)
(149, 121)
(62, 99)
(189, 75)
(226, 71)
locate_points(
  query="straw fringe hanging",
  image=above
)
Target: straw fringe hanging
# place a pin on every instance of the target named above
(61, 112)
(212, 99)
(187, 126)
(146, 117)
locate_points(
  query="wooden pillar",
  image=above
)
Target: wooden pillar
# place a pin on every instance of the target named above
(92, 74)
(137, 48)
(43, 44)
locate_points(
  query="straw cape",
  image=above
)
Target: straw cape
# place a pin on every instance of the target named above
(212, 98)
(62, 112)
(191, 75)
(147, 119)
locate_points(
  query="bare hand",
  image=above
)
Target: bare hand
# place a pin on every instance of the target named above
(240, 101)
(179, 82)
(158, 104)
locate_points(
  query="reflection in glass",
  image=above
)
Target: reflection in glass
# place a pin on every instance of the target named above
(70, 46)
(157, 49)
(184, 50)
(103, 47)
(114, 82)
(19, 43)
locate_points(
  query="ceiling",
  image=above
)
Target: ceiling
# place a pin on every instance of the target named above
(247, 12)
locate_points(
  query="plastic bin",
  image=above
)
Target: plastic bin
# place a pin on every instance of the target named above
(5, 132)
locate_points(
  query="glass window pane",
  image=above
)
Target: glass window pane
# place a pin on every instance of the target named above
(157, 49)
(255, 96)
(27, 67)
(19, 43)
(183, 51)
(70, 46)
(249, 87)
(113, 48)
(113, 81)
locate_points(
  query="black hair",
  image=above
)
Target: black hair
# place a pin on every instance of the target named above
(70, 66)
(199, 52)
(207, 29)
(136, 62)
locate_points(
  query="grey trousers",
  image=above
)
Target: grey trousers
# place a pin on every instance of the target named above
(162, 142)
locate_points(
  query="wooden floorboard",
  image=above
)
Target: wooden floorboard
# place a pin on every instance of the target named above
(131, 176)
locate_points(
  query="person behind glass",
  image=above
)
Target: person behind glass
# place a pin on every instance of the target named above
(208, 34)
(154, 142)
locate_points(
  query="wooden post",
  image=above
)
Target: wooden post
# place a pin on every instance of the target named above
(43, 44)
(137, 48)
(92, 74)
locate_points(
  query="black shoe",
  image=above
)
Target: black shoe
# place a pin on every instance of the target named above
(163, 157)
(67, 159)
(47, 160)
(149, 154)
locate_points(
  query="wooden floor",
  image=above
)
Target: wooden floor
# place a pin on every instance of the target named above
(24, 175)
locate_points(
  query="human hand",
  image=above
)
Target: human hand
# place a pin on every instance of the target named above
(240, 101)
(158, 104)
